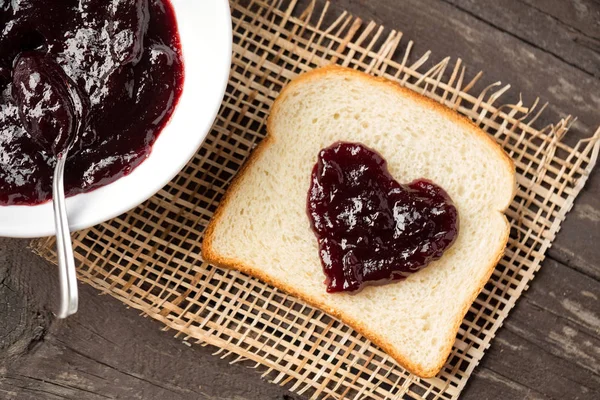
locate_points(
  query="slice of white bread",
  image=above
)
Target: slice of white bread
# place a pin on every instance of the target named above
(261, 227)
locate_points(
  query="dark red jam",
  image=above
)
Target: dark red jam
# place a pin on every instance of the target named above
(122, 56)
(372, 229)
(54, 114)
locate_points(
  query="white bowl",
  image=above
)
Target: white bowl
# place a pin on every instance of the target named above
(205, 32)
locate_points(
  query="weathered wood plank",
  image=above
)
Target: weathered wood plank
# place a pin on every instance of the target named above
(489, 385)
(577, 45)
(568, 295)
(24, 302)
(105, 351)
(577, 243)
(549, 346)
(581, 15)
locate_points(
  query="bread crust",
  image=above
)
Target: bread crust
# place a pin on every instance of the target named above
(210, 255)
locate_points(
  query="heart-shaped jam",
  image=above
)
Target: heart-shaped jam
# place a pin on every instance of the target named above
(372, 229)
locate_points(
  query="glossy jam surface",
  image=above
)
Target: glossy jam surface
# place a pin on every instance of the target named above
(370, 228)
(124, 59)
(50, 107)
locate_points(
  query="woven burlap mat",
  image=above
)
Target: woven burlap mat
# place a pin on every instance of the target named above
(149, 258)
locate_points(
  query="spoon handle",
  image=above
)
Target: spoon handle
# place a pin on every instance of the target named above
(64, 248)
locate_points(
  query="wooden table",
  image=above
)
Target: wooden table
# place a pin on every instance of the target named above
(548, 348)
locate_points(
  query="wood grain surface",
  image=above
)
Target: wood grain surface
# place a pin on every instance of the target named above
(547, 349)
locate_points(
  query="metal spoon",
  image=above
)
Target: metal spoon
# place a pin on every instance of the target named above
(54, 113)
(69, 297)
